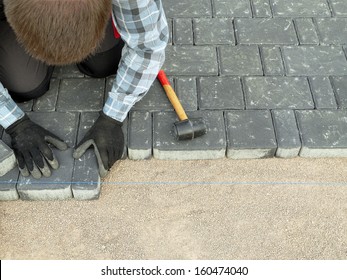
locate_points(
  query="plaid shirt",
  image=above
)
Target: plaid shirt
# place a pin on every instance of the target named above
(143, 27)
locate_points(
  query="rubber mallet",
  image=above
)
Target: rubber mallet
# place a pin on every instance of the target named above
(184, 129)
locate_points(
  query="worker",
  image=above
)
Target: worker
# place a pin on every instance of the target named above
(103, 37)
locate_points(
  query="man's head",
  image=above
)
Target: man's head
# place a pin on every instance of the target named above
(59, 32)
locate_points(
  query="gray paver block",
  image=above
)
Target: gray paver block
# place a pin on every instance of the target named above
(277, 93)
(7, 159)
(323, 133)
(155, 99)
(306, 31)
(48, 101)
(272, 61)
(340, 86)
(332, 31)
(339, 7)
(81, 95)
(140, 135)
(170, 24)
(287, 133)
(68, 71)
(187, 8)
(183, 31)
(191, 60)
(8, 182)
(250, 134)
(314, 60)
(265, 31)
(56, 187)
(301, 8)
(261, 8)
(213, 31)
(186, 91)
(86, 183)
(220, 93)
(209, 146)
(240, 60)
(323, 93)
(26, 106)
(232, 8)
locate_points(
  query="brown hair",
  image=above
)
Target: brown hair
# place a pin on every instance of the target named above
(59, 32)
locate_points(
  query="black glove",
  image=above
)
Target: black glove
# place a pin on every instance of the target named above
(30, 144)
(107, 137)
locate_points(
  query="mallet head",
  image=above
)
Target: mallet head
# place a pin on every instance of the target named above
(190, 128)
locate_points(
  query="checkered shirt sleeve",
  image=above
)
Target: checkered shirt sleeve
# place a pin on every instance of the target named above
(143, 27)
(9, 111)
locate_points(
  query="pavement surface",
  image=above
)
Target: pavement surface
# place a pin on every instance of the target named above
(157, 209)
(270, 79)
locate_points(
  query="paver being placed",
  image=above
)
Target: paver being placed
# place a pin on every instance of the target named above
(250, 134)
(323, 133)
(220, 93)
(212, 145)
(265, 31)
(287, 133)
(277, 93)
(315, 60)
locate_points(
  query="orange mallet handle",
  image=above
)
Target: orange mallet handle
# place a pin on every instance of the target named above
(172, 95)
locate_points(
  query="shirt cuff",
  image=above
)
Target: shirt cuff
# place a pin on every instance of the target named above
(9, 110)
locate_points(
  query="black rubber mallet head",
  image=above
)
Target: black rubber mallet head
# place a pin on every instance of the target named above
(184, 129)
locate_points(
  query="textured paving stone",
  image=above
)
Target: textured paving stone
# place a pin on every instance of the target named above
(232, 8)
(277, 93)
(240, 61)
(186, 91)
(250, 134)
(314, 60)
(261, 8)
(339, 7)
(56, 187)
(265, 31)
(140, 135)
(209, 146)
(81, 95)
(287, 133)
(323, 133)
(69, 71)
(306, 31)
(220, 93)
(340, 86)
(155, 99)
(187, 8)
(48, 101)
(183, 31)
(323, 93)
(210, 31)
(191, 60)
(272, 61)
(170, 26)
(8, 182)
(300, 8)
(332, 30)
(7, 159)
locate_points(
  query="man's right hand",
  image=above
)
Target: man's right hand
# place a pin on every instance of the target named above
(30, 145)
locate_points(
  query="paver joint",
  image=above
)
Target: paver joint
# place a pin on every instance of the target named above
(269, 77)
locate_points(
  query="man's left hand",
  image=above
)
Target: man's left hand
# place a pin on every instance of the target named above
(107, 137)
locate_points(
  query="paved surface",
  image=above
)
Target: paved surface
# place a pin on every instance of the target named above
(269, 77)
(144, 212)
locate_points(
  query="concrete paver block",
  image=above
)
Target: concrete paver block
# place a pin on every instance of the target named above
(68, 71)
(323, 93)
(209, 146)
(339, 7)
(306, 31)
(287, 133)
(261, 8)
(232, 8)
(250, 134)
(7, 159)
(48, 101)
(208, 31)
(186, 90)
(265, 31)
(272, 61)
(300, 8)
(323, 133)
(183, 31)
(333, 31)
(140, 135)
(340, 87)
(8, 183)
(277, 93)
(187, 8)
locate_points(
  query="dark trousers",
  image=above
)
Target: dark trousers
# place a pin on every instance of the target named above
(27, 78)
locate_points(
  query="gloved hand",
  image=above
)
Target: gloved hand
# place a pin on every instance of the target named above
(107, 137)
(30, 144)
